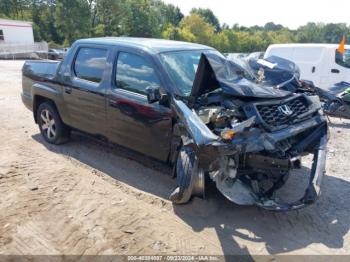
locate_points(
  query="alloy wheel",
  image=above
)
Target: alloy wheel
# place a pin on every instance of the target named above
(48, 124)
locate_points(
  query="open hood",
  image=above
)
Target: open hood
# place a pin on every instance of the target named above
(216, 71)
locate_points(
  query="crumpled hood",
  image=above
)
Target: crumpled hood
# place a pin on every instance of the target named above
(215, 71)
(276, 69)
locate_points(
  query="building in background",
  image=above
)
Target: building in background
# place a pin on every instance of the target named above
(16, 32)
(17, 41)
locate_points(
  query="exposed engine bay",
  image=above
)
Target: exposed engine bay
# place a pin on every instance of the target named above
(262, 172)
(248, 143)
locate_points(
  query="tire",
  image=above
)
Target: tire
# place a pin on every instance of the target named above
(50, 124)
(187, 175)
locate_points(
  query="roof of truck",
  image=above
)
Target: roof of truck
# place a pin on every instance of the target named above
(152, 44)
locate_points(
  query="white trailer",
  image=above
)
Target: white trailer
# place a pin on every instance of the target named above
(16, 32)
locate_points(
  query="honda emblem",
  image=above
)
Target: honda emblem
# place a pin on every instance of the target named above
(284, 109)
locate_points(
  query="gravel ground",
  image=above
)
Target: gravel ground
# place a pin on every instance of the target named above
(87, 197)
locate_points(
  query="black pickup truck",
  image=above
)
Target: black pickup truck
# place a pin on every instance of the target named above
(187, 105)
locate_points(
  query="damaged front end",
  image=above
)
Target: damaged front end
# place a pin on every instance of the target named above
(247, 138)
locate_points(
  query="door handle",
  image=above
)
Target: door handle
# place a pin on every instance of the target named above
(68, 90)
(113, 103)
(313, 69)
(335, 71)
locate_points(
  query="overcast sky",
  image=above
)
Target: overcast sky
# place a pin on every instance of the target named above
(292, 13)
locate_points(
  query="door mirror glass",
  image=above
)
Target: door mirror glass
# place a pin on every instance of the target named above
(153, 94)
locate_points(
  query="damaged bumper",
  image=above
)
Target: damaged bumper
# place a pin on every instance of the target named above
(314, 187)
(210, 149)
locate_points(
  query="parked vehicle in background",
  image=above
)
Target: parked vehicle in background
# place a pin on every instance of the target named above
(256, 55)
(235, 55)
(320, 63)
(187, 105)
(56, 54)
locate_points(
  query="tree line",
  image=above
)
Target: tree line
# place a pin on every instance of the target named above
(61, 22)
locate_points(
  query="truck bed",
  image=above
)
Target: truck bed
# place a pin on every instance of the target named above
(40, 69)
(36, 73)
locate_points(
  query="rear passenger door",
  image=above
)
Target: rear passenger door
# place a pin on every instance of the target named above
(84, 90)
(133, 122)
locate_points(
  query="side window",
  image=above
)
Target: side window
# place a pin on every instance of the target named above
(343, 59)
(134, 73)
(1, 35)
(90, 64)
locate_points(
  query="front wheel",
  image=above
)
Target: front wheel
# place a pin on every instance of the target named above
(190, 178)
(50, 124)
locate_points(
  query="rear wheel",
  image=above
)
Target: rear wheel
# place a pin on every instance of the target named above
(50, 124)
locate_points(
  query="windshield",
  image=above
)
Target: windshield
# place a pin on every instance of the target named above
(182, 67)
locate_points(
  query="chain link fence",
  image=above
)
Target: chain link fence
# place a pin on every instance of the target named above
(24, 51)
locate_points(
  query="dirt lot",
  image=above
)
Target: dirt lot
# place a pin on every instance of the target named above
(86, 197)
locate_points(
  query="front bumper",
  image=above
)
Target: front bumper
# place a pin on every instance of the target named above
(209, 147)
(314, 187)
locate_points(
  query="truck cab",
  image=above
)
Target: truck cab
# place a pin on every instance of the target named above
(100, 88)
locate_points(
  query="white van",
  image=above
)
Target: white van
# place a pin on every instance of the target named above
(320, 63)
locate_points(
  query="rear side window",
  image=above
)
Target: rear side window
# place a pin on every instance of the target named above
(90, 64)
(1, 35)
(343, 59)
(134, 73)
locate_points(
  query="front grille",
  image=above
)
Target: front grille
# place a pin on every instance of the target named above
(274, 117)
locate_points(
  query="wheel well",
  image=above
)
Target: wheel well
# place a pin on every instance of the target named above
(38, 100)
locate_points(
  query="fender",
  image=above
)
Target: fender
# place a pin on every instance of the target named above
(53, 93)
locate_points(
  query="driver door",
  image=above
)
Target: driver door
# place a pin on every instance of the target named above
(133, 122)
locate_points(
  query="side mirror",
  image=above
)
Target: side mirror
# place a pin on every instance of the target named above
(153, 94)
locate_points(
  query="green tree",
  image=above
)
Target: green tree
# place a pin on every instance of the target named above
(15, 9)
(272, 27)
(143, 20)
(171, 32)
(42, 16)
(333, 33)
(164, 16)
(208, 17)
(72, 19)
(226, 41)
(59, 21)
(310, 33)
(111, 17)
(172, 14)
(5, 9)
(193, 28)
